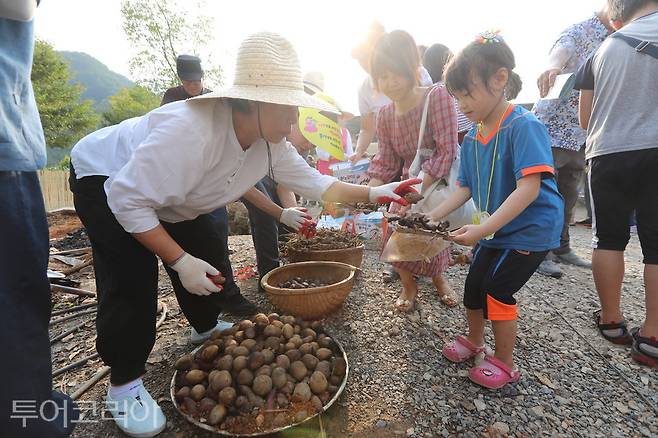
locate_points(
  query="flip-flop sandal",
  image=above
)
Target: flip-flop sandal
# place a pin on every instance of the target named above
(461, 350)
(622, 338)
(644, 350)
(405, 306)
(493, 373)
(448, 299)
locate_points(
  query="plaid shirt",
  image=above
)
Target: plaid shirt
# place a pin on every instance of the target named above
(398, 138)
(561, 116)
(398, 143)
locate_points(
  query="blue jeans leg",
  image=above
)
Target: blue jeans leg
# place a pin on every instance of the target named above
(25, 305)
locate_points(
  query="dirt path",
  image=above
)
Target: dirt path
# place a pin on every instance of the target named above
(574, 383)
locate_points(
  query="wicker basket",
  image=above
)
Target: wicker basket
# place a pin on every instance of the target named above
(351, 256)
(314, 302)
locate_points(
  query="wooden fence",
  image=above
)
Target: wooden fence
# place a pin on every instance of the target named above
(55, 188)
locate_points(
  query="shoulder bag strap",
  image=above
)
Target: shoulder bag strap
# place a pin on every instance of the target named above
(646, 47)
(423, 119)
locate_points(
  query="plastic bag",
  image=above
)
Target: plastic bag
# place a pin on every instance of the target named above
(438, 192)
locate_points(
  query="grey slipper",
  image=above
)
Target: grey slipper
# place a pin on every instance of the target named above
(574, 259)
(549, 269)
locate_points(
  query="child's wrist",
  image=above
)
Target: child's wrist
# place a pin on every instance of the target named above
(487, 228)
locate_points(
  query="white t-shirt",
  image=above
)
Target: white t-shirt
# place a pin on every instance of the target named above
(371, 100)
(183, 160)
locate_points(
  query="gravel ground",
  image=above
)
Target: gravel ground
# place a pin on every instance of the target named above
(573, 382)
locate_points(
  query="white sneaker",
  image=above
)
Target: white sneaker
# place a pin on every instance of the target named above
(137, 415)
(199, 338)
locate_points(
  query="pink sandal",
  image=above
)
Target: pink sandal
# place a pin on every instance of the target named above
(493, 373)
(461, 350)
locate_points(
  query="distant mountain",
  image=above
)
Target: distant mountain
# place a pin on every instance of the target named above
(99, 81)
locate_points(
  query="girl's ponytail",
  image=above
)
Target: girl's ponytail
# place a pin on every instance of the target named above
(514, 85)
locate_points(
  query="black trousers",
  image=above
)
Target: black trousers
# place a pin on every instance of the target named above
(264, 229)
(127, 280)
(25, 304)
(495, 276)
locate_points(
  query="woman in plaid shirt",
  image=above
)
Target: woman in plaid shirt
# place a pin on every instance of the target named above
(394, 69)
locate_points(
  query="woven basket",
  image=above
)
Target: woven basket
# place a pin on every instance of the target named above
(351, 256)
(314, 302)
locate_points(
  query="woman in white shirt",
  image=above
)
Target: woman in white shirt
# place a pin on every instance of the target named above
(142, 189)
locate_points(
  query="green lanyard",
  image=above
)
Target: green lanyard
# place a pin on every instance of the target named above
(493, 163)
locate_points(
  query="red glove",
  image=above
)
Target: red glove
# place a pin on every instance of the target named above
(218, 280)
(309, 229)
(393, 192)
(405, 187)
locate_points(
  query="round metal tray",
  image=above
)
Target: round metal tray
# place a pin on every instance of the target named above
(215, 430)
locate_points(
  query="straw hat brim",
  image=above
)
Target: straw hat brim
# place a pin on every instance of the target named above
(280, 96)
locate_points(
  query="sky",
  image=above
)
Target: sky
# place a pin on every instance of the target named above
(323, 33)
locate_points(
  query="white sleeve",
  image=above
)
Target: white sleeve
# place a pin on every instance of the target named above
(291, 170)
(164, 168)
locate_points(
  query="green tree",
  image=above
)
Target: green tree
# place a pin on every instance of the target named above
(129, 102)
(64, 117)
(64, 163)
(160, 30)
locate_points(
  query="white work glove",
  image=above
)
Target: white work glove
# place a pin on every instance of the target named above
(294, 217)
(195, 274)
(393, 192)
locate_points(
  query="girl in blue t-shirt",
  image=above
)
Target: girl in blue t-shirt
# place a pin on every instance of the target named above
(507, 168)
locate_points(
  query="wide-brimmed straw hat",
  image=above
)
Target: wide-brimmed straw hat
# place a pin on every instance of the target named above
(267, 70)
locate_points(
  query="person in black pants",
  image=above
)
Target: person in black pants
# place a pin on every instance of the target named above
(125, 268)
(28, 405)
(264, 229)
